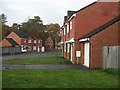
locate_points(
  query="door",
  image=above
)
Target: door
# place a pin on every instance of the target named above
(86, 54)
(38, 48)
(71, 53)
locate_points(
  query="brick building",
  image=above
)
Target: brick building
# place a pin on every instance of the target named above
(78, 24)
(26, 41)
(8, 42)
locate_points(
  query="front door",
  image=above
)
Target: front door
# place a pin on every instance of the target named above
(86, 53)
(71, 53)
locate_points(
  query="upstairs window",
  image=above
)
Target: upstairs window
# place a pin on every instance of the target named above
(64, 31)
(67, 28)
(35, 41)
(70, 25)
(25, 41)
(29, 41)
(38, 41)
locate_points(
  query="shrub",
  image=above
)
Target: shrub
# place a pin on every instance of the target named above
(111, 71)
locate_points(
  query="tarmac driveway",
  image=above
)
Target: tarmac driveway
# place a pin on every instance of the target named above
(67, 64)
(27, 55)
(42, 67)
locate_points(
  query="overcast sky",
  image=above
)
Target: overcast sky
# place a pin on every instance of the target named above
(50, 11)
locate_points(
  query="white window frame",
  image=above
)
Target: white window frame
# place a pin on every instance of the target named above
(35, 41)
(68, 47)
(64, 47)
(38, 41)
(29, 41)
(68, 28)
(29, 47)
(71, 25)
(24, 40)
(64, 31)
(34, 48)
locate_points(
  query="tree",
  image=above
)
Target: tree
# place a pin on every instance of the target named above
(3, 18)
(35, 27)
(5, 29)
(16, 26)
(54, 32)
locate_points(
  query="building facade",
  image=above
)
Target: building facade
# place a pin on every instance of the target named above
(26, 41)
(79, 23)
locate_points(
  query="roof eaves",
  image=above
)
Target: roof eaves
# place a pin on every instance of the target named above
(87, 6)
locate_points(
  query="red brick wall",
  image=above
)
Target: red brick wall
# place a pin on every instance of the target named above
(94, 16)
(23, 42)
(15, 37)
(107, 37)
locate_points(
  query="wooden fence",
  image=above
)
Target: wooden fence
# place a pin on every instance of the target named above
(10, 50)
(111, 56)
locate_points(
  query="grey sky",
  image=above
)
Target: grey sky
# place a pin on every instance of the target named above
(50, 11)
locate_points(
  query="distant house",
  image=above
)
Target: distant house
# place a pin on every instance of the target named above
(9, 46)
(87, 30)
(27, 41)
(49, 45)
(8, 42)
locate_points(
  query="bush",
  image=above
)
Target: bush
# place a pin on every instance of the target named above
(111, 71)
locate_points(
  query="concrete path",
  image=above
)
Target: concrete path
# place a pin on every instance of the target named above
(42, 67)
(67, 64)
(27, 55)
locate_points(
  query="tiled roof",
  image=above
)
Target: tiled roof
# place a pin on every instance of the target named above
(11, 41)
(101, 28)
(23, 35)
(70, 13)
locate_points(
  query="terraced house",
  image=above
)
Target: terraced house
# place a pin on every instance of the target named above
(86, 31)
(26, 41)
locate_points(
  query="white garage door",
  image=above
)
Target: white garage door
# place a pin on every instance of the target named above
(86, 53)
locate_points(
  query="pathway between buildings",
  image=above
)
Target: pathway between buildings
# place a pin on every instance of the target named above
(67, 64)
(42, 67)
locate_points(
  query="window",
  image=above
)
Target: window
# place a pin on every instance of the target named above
(68, 47)
(24, 40)
(64, 31)
(70, 25)
(64, 47)
(67, 28)
(38, 41)
(35, 41)
(34, 47)
(29, 47)
(29, 41)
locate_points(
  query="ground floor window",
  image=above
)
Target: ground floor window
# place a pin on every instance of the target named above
(34, 48)
(30, 48)
(64, 47)
(68, 47)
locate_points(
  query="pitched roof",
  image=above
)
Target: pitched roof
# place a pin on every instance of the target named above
(11, 41)
(70, 13)
(23, 35)
(101, 28)
(86, 6)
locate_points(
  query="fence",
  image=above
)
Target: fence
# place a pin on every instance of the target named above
(10, 50)
(111, 56)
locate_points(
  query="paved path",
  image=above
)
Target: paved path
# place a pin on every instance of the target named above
(42, 67)
(27, 55)
(67, 64)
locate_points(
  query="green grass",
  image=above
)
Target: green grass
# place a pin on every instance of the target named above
(70, 78)
(47, 59)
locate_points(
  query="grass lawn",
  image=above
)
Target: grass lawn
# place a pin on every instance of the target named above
(47, 59)
(70, 78)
